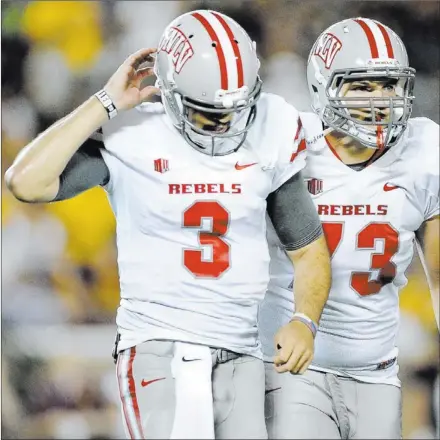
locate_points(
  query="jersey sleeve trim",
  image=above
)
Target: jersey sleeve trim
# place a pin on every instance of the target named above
(306, 240)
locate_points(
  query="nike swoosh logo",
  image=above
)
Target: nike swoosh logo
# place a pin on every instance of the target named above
(388, 187)
(145, 383)
(190, 360)
(242, 167)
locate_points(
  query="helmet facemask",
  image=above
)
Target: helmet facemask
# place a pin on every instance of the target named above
(378, 121)
(201, 123)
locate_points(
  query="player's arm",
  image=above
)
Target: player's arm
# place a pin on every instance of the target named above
(35, 174)
(429, 237)
(85, 170)
(299, 229)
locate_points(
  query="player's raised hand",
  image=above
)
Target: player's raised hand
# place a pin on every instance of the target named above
(295, 348)
(124, 87)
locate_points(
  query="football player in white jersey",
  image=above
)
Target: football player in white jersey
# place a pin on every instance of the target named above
(374, 177)
(188, 181)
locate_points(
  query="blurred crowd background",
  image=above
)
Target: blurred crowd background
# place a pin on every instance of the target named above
(59, 274)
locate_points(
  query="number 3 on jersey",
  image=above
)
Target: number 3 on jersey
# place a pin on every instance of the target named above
(193, 258)
(361, 282)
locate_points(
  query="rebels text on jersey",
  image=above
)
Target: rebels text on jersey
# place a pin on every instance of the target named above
(191, 232)
(369, 219)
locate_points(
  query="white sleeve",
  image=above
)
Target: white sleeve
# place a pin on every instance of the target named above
(112, 163)
(292, 152)
(116, 136)
(430, 194)
(111, 138)
(427, 186)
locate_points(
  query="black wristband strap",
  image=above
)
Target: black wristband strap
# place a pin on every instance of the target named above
(106, 101)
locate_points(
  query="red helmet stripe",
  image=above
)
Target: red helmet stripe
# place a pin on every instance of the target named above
(387, 39)
(218, 47)
(370, 37)
(234, 47)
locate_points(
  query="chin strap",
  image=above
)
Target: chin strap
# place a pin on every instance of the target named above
(327, 131)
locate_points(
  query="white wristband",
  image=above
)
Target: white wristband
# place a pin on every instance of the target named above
(106, 101)
(305, 320)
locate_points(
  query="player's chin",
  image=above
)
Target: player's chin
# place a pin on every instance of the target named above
(375, 129)
(218, 128)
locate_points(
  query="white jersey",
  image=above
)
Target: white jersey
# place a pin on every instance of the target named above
(369, 218)
(191, 232)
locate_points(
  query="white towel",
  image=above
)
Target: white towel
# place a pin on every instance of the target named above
(192, 370)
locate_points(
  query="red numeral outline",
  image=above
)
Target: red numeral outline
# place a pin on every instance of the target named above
(333, 234)
(361, 282)
(193, 258)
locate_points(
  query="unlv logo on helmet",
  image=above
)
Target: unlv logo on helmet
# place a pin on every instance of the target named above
(327, 48)
(176, 44)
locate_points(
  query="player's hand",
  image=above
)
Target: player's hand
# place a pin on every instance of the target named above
(124, 87)
(295, 348)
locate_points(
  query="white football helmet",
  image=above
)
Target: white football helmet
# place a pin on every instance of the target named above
(361, 49)
(206, 63)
